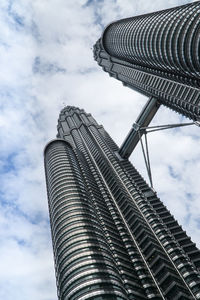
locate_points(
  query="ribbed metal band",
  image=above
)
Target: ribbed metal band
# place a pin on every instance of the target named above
(166, 40)
(183, 97)
(84, 265)
(157, 55)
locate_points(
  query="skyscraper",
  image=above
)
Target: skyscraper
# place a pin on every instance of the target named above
(112, 236)
(157, 54)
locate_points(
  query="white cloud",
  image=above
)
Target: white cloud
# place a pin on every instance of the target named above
(58, 35)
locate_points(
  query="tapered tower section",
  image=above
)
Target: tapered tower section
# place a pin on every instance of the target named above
(157, 54)
(112, 236)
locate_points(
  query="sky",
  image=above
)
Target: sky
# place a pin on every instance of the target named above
(46, 62)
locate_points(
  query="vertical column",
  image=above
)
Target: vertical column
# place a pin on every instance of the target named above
(84, 265)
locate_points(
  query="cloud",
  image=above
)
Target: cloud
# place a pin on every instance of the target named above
(47, 62)
(43, 67)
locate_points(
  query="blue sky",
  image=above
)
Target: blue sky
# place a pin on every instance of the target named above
(46, 61)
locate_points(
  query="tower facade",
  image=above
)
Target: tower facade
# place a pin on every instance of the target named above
(157, 54)
(112, 236)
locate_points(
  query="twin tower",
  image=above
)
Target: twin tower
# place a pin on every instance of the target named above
(113, 238)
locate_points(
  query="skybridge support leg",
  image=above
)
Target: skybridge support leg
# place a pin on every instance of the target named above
(141, 127)
(145, 117)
